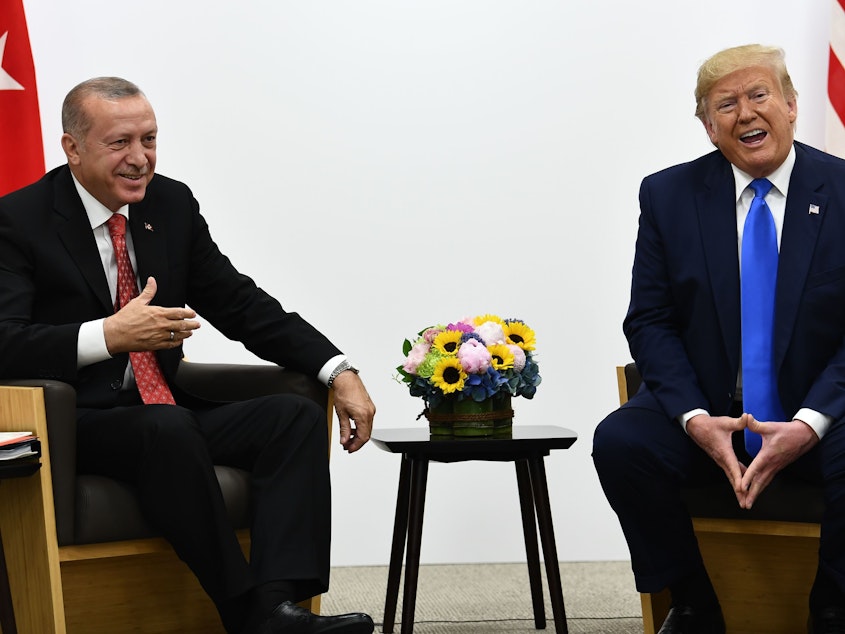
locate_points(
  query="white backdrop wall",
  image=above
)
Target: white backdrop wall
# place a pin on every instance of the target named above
(381, 166)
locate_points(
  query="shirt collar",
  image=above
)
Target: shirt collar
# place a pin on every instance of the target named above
(779, 178)
(97, 212)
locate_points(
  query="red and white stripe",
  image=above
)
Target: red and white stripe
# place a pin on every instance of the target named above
(835, 116)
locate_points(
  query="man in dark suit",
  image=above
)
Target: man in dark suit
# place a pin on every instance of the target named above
(687, 336)
(71, 310)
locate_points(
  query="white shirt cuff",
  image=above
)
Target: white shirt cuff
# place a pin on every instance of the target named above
(91, 344)
(327, 369)
(817, 421)
(683, 419)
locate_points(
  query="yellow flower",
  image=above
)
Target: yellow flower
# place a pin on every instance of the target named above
(448, 342)
(519, 334)
(448, 375)
(502, 357)
(481, 319)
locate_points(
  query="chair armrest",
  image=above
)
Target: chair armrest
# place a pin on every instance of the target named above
(60, 410)
(229, 382)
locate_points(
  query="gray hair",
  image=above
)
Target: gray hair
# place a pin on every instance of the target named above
(75, 120)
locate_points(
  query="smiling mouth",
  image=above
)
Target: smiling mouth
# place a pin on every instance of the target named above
(753, 136)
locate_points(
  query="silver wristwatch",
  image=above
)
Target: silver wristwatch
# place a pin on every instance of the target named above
(343, 366)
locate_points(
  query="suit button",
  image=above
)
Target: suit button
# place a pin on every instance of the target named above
(116, 385)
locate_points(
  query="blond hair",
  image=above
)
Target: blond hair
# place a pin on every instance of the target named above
(733, 59)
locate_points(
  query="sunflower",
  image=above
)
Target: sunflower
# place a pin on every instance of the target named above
(502, 357)
(481, 319)
(519, 334)
(448, 342)
(448, 375)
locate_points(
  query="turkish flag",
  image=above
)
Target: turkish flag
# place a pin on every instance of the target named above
(21, 144)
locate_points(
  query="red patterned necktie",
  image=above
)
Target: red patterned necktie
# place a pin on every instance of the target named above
(148, 377)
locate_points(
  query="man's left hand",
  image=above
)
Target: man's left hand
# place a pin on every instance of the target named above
(783, 443)
(355, 410)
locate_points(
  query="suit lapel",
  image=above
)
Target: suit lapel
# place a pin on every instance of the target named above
(805, 212)
(74, 231)
(148, 226)
(716, 207)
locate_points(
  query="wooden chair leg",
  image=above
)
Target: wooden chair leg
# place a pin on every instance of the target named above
(655, 609)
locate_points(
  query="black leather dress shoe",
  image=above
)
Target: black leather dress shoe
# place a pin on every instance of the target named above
(290, 618)
(827, 621)
(683, 619)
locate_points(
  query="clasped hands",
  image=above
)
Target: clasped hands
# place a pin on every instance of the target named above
(783, 443)
(137, 326)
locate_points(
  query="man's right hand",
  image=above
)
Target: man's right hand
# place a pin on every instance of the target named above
(713, 435)
(138, 326)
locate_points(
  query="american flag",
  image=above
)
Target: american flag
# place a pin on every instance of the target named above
(835, 119)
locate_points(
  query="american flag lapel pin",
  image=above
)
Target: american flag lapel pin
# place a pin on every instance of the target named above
(814, 209)
(149, 227)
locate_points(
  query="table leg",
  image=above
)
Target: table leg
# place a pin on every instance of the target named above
(397, 551)
(7, 610)
(532, 553)
(419, 475)
(547, 537)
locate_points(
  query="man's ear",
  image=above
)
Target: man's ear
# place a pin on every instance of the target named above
(71, 147)
(711, 132)
(792, 109)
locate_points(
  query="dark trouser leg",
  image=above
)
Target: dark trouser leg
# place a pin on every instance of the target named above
(161, 450)
(825, 463)
(642, 459)
(283, 441)
(168, 453)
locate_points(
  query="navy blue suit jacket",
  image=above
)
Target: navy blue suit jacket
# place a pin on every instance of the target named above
(52, 280)
(683, 322)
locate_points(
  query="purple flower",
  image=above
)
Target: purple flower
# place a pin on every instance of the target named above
(463, 327)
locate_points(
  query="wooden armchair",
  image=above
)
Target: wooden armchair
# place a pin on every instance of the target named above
(762, 561)
(81, 558)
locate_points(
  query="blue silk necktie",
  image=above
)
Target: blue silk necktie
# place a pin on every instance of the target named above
(759, 271)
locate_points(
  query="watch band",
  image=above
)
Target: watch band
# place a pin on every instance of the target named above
(343, 366)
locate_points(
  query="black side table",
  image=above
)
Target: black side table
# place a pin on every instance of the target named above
(526, 447)
(11, 469)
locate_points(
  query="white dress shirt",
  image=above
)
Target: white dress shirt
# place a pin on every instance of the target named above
(776, 201)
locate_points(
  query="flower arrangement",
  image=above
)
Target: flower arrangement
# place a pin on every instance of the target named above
(473, 359)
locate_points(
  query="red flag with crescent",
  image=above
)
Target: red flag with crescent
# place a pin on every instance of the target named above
(21, 143)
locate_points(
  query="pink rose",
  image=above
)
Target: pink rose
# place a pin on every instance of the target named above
(430, 334)
(416, 355)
